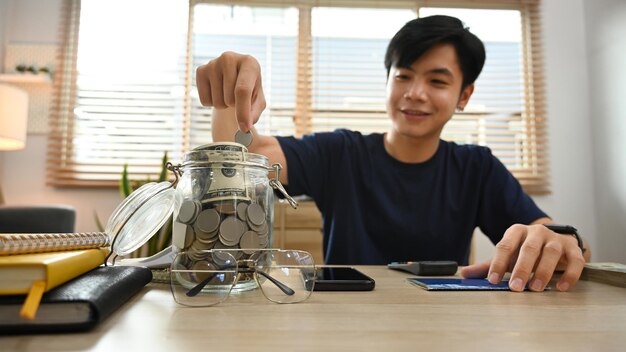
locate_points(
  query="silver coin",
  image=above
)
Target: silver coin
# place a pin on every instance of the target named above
(207, 238)
(222, 258)
(226, 242)
(231, 230)
(200, 265)
(208, 220)
(255, 214)
(203, 270)
(263, 229)
(188, 211)
(241, 211)
(263, 241)
(254, 227)
(237, 254)
(196, 251)
(249, 242)
(198, 231)
(190, 235)
(201, 245)
(244, 138)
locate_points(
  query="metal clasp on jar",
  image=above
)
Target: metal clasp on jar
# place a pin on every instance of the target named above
(275, 183)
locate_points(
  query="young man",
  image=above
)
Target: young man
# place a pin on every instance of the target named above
(405, 194)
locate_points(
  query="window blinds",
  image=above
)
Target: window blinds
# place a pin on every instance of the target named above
(317, 77)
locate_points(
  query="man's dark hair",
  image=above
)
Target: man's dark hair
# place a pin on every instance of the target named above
(419, 35)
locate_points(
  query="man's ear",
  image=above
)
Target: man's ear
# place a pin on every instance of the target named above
(466, 93)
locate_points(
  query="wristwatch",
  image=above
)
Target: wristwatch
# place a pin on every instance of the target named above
(567, 230)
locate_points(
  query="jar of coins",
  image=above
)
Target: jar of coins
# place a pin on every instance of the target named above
(227, 201)
(223, 198)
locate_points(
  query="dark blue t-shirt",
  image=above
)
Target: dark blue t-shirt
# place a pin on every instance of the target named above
(377, 209)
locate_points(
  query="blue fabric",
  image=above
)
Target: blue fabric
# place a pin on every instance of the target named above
(377, 209)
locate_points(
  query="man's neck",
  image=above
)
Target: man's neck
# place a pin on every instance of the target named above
(409, 149)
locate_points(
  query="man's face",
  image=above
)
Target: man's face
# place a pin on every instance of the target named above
(422, 98)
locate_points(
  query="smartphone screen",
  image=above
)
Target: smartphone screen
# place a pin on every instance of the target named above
(341, 279)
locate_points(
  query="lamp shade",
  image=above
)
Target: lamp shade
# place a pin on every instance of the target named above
(13, 117)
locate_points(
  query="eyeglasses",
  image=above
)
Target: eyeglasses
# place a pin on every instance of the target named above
(206, 278)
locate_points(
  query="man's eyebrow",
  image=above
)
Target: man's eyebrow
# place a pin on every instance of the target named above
(442, 71)
(436, 70)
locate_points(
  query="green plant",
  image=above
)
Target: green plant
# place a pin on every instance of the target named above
(163, 238)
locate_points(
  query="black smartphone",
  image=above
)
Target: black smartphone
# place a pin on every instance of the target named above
(340, 279)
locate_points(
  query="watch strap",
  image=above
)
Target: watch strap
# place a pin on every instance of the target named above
(567, 230)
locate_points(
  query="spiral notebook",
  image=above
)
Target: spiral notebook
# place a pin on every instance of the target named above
(22, 243)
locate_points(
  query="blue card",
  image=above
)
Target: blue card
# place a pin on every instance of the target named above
(455, 284)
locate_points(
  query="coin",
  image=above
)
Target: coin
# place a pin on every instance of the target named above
(231, 230)
(223, 258)
(208, 220)
(244, 138)
(188, 211)
(255, 213)
(199, 245)
(241, 210)
(189, 236)
(263, 241)
(249, 242)
(263, 229)
(207, 238)
(196, 251)
(203, 269)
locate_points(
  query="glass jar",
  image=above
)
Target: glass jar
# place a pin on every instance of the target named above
(227, 201)
(223, 198)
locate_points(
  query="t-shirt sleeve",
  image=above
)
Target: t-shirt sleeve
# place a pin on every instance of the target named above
(504, 201)
(310, 161)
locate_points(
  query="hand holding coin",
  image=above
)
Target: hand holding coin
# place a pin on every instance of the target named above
(244, 138)
(233, 80)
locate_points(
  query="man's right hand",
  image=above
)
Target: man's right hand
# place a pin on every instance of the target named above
(233, 80)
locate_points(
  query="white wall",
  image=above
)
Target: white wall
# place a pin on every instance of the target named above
(570, 148)
(606, 48)
(22, 173)
(570, 131)
(32, 21)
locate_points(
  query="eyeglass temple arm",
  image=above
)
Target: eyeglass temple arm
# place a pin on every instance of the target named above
(286, 289)
(196, 289)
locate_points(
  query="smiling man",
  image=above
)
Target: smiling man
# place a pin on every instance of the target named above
(405, 195)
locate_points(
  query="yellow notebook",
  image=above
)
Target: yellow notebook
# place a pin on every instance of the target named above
(18, 272)
(34, 274)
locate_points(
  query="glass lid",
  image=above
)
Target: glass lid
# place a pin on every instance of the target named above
(140, 216)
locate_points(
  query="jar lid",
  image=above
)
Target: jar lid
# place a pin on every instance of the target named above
(141, 215)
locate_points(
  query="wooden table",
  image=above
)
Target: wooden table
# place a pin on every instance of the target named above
(395, 316)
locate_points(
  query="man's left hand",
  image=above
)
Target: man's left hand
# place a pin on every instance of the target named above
(532, 253)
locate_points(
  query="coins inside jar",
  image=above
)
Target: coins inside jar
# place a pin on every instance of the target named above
(228, 202)
(224, 225)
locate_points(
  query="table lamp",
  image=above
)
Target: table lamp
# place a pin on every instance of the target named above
(13, 120)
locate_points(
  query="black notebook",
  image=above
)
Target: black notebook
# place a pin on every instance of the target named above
(77, 305)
